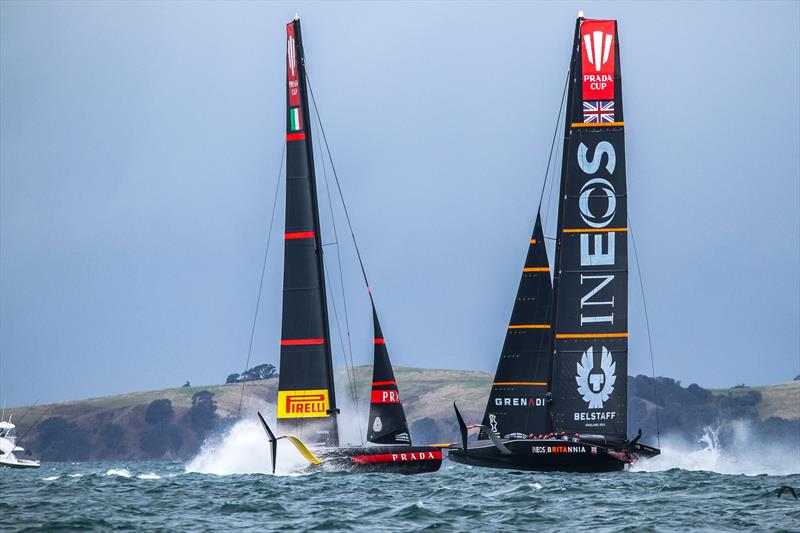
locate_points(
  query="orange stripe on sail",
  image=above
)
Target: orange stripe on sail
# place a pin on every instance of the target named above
(529, 326)
(536, 269)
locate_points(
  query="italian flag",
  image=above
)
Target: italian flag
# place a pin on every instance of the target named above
(295, 122)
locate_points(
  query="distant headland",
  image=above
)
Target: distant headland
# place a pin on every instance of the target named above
(173, 423)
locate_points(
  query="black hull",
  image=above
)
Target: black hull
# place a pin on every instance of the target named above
(382, 459)
(549, 455)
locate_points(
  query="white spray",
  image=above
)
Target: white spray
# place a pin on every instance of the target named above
(746, 455)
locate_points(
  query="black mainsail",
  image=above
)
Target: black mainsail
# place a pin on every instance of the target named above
(517, 401)
(306, 395)
(590, 365)
(387, 420)
(577, 346)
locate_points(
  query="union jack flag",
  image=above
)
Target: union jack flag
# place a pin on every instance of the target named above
(598, 111)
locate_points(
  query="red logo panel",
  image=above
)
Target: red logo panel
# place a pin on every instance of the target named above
(598, 40)
(398, 457)
(385, 396)
(292, 67)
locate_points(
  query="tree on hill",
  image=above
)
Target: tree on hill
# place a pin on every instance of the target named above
(202, 415)
(158, 411)
(265, 371)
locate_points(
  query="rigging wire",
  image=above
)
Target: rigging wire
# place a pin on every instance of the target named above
(553, 142)
(647, 324)
(550, 194)
(350, 227)
(341, 275)
(350, 382)
(341, 194)
(263, 270)
(350, 378)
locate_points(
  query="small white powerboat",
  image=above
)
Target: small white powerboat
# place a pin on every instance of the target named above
(8, 446)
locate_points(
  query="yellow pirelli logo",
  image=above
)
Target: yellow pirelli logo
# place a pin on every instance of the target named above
(303, 403)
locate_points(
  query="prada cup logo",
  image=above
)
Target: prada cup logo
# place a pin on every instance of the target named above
(597, 185)
(377, 426)
(292, 59)
(595, 385)
(598, 47)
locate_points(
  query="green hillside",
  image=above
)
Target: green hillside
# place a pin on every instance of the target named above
(130, 426)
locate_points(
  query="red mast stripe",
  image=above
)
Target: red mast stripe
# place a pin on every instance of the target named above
(301, 342)
(295, 136)
(299, 235)
(379, 341)
(379, 383)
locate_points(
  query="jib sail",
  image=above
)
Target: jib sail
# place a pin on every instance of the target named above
(306, 397)
(387, 420)
(516, 406)
(589, 383)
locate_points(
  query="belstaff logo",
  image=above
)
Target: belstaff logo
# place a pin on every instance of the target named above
(303, 403)
(595, 385)
(598, 48)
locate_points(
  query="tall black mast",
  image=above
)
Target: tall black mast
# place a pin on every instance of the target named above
(590, 300)
(306, 392)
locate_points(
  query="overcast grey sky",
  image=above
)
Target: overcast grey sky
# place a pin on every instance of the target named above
(139, 152)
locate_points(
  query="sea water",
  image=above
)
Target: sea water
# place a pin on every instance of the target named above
(691, 486)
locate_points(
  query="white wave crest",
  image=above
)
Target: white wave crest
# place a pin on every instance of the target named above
(149, 475)
(747, 454)
(121, 472)
(50, 478)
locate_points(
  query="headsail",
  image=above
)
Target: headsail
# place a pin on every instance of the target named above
(517, 406)
(306, 396)
(387, 420)
(589, 384)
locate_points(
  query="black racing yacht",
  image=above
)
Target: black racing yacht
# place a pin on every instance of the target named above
(306, 408)
(559, 396)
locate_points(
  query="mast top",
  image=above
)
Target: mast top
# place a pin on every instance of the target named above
(296, 16)
(580, 14)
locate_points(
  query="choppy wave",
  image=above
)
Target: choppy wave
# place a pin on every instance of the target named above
(692, 486)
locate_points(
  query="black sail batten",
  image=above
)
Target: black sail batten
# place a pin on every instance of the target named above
(387, 420)
(306, 395)
(517, 404)
(589, 375)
